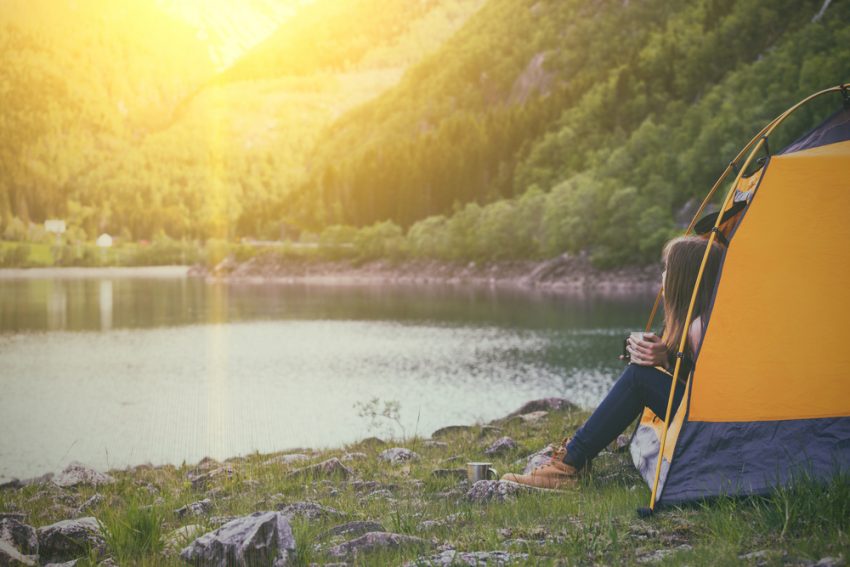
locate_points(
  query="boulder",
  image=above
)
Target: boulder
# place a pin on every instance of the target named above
(500, 446)
(352, 529)
(348, 457)
(18, 542)
(373, 541)
(537, 459)
(543, 404)
(199, 508)
(69, 539)
(330, 468)
(93, 501)
(398, 455)
(450, 430)
(287, 459)
(200, 480)
(533, 417)
(308, 510)
(180, 537)
(76, 474)
(452, 557)
(497, 490)
(20, 535)
(263, 538)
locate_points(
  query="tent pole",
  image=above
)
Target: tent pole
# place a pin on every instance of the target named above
(759, 140)
(683, 340)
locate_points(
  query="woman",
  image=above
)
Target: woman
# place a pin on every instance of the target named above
(647, 379)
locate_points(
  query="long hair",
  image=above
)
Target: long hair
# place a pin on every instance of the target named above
(682, 259)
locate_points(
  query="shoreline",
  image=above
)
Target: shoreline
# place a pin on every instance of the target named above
(74, 272)
(565, 274)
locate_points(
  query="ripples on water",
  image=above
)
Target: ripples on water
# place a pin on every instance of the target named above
(119, 372)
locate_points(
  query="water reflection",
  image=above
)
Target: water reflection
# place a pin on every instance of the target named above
(105, 298)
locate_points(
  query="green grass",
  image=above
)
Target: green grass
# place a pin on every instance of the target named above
(595, 523)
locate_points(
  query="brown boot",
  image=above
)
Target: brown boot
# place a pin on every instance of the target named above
(554, 475)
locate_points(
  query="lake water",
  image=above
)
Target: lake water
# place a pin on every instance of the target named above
(118, 371)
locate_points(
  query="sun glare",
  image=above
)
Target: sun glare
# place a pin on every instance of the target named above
(231, 27)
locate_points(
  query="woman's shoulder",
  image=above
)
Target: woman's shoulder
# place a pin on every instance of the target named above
(695, 332)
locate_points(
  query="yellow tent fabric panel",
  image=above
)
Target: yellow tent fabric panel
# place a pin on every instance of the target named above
(776, 347)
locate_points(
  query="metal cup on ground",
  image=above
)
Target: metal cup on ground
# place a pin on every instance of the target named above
(480, 471)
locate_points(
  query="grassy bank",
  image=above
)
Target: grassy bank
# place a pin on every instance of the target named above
(595, 523)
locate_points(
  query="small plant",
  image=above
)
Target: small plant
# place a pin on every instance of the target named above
(382, 418)
(133, 533)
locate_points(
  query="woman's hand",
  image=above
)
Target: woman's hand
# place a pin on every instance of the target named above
(648, 351)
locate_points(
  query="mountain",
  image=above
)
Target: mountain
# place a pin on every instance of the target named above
(82, 80)
(566, 125)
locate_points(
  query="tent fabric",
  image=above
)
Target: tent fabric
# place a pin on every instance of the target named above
(754, 457)
(835, 129)
(775, 346)
(769, 396)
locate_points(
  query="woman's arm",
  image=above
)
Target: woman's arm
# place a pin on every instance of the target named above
(651, 351)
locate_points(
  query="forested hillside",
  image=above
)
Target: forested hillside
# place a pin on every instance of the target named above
(119, 123)
(580, 126)
(449, 129)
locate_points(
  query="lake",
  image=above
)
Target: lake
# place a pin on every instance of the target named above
(112, 370)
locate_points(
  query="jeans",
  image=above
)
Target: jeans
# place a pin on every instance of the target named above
(638, 387)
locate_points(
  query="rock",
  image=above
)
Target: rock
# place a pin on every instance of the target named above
(622, 443)
(372, 442)
(373, 541)
(458, 474)
(200, 481)
(352, 529)
(497, 490)
(108, 562)
(431, 524)
(452, 557)
(487, 430)
(207, 464)
(662, 554)
(287, 459)
(309, 510)
(263, 538)
(12, 556)
(543, 404)
(20, 535)
(76, 474)
(181, 537)
(500, 446)
(19, 516)
(830, 562)
(398, 455)
(68, 539)
(380, 493)
(433, 444)
(533, 417)
(758, 556)
(199, 508)
(330, 468)
(71, 563)
(450, 430)
(13, 484)
(95, 500)
(537, 459)
(348, 457)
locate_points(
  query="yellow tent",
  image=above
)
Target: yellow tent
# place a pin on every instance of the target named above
(769, 396)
